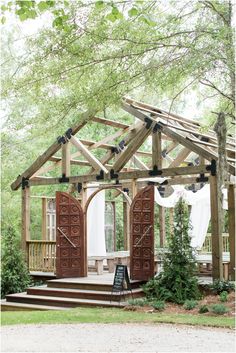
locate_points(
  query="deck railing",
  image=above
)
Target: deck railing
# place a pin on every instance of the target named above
(42, 255)
(207, 243)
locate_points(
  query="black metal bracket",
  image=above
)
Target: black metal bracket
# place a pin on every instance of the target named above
(204, 139)
(157, 127)
(113, 175)
(122, 144)
(64, 179)
(69, 133)
(161, 190)
(212, 167)
(202, 179)
(115, 150)
(163, 153)
(126, 190)
(79, 187)
(24, 183)
(165, 182)
(61, 139)
(148, 122)
(100, 176)
(155, 171)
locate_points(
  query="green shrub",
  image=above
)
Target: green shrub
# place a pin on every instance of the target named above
(219, 309)
(158, 305)
(203, 309)
(177, 282)
(224, 296)
(190, 304)
(15, 275)
(138, 302)
(219, 286)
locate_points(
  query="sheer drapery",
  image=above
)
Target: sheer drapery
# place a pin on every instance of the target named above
(96, 223)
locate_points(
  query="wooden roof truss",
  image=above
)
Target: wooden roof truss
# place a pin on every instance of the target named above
(174, 147)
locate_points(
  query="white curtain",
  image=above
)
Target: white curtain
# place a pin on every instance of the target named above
(96, 223)
(200, 211)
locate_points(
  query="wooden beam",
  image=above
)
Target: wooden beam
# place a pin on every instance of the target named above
(65, 166)
(170, 147)
(139, 164)
(25, 217)
(231, 217)
(177, 137)
(95, 163)
(136, 142)
(166, 172)
(156, 150)
(39, 162)
(161, 111)
(183, 154)
(44, 218)
(216, 231)
(110, 122)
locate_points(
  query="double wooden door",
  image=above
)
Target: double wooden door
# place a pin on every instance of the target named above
(142, 235)
(71, 252)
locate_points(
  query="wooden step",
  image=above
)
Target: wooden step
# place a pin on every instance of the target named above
(11, 306)
(60, 302)
(73, 284)
(84, 294)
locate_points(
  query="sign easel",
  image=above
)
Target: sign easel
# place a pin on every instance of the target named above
(121, 281)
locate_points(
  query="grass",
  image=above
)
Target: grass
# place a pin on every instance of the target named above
(99, 315)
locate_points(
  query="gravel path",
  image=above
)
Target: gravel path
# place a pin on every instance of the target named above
(115, 338)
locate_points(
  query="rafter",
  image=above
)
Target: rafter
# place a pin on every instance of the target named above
(136, 142)
(39, 162)
(95, 163)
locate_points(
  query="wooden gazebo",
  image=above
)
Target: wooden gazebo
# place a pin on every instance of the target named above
(178, 151)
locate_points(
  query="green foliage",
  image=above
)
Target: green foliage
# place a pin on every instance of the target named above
(138, 302)
(190, 304)
(203, 309)
(177, 282)
(15, 276)
(224, 296)
(219, 309)
(219, 286)
(158, 305)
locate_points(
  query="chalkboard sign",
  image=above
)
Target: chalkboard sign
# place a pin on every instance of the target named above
(121, 280)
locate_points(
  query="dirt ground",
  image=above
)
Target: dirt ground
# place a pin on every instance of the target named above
(207, 300)
(116, 338)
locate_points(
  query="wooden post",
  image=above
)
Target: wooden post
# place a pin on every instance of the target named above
(84, 195)
(231, 215)
(162, 226)
(126, 224)
(65, 167)
(156, 150)
(25, 235)
(44, 218)
(216, 230)
(134, 187)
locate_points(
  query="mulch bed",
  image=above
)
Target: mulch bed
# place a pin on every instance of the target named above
(171, 308)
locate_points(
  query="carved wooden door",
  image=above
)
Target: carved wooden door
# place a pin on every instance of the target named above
(142, 235)
(71, 258)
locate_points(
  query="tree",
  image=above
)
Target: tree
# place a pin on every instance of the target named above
(92, 53)
(15, 276)
(177, 282)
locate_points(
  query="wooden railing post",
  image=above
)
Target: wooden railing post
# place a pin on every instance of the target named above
(25, 233)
